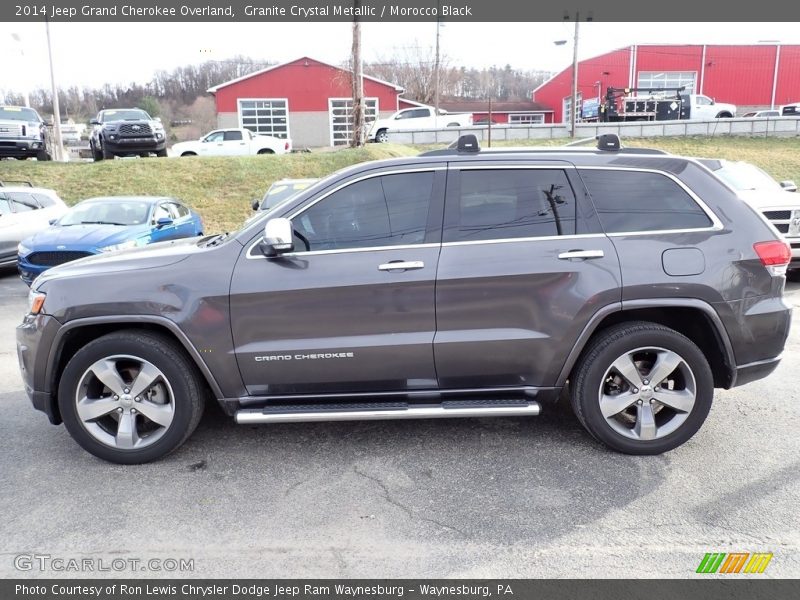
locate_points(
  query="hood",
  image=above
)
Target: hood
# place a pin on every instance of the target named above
(84, 237)
(762, 199)
(146, 257)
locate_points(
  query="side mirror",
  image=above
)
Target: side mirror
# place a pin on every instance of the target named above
(789, 186)
(277, 237)
(163, 222)
(94, 122)
(256, 204)
(53, 221)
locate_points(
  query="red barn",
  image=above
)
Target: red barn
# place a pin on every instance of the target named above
(306, 100)
(751, 77)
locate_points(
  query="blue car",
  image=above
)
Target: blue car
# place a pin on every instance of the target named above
(102, 225)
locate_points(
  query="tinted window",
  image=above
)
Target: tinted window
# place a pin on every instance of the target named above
(636, 201)
(231, 136)
(380, 211)
(214, 137)
(509, 203)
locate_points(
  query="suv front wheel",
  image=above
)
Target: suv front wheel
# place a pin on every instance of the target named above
(130, 397)
(642, 388)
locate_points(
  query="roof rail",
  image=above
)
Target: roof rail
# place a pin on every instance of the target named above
(607, 142)
(18, 182)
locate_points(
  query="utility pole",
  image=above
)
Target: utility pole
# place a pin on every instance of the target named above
(574, 103)
(358, 84)
(59, 147)
(436, 64)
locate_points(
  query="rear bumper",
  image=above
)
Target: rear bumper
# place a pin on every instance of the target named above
(756, 370)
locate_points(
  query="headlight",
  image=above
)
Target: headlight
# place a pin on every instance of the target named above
(122, 246)
(23, 250)
(35, 302)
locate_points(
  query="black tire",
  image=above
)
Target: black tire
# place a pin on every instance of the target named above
(724, 115)
(97, 155)
(266, 151)
(107, 154)
(382, 136)
(591, 370)
(181, 374)
(162, 153)
(189, 154)
(42, 155)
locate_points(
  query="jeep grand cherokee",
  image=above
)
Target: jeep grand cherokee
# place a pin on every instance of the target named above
(458, 283)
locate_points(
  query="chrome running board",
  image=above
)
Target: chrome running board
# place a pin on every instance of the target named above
(381, 411)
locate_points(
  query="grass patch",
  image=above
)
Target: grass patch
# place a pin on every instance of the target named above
(222, 188)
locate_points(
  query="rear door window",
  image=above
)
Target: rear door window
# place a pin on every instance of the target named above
(486, 204)
(632, 201)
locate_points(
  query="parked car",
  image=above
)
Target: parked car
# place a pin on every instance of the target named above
(24, 211)
(423, 117)
(762, 114)
(280, 191)
(103, 225)
(232, 142)
(126, 132)
(23, 134)
(458, 283)
(791, 110)
(766, 195)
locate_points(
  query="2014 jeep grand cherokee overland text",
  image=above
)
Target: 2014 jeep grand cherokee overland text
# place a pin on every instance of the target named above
(454, 284)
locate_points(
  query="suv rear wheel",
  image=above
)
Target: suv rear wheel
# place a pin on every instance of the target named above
(130, 397)
(642, 388)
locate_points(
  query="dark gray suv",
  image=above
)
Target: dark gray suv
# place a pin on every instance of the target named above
(454, 284)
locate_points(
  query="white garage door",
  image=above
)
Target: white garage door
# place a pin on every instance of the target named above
(340, 115)
(268, 116)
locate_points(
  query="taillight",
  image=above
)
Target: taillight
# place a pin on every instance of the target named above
(775, 255)
(286, 146)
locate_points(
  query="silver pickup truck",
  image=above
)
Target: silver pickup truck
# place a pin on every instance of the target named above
(23, 134)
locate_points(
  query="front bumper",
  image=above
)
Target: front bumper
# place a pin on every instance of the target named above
(35, 336)
(28, 272)
(133, 145)
(18, 148)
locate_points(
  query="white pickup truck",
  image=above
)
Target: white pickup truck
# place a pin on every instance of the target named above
(232, 142)
(703, 108)
(416, 118)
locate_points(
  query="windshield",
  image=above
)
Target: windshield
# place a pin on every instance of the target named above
(279, 192)
(17, 113)
(746, 177)
(107, 213)
(109, 116)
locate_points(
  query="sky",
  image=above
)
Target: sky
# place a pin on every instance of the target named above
(82, 58)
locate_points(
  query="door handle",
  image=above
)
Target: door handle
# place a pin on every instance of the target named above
(401, 265)
(581, 254)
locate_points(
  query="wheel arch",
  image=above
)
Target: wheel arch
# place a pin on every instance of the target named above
(76, 334)
(695, 319)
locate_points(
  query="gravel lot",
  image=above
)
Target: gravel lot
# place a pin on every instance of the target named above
(461, 498)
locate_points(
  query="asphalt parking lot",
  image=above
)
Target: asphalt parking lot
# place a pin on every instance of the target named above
(531, 497)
